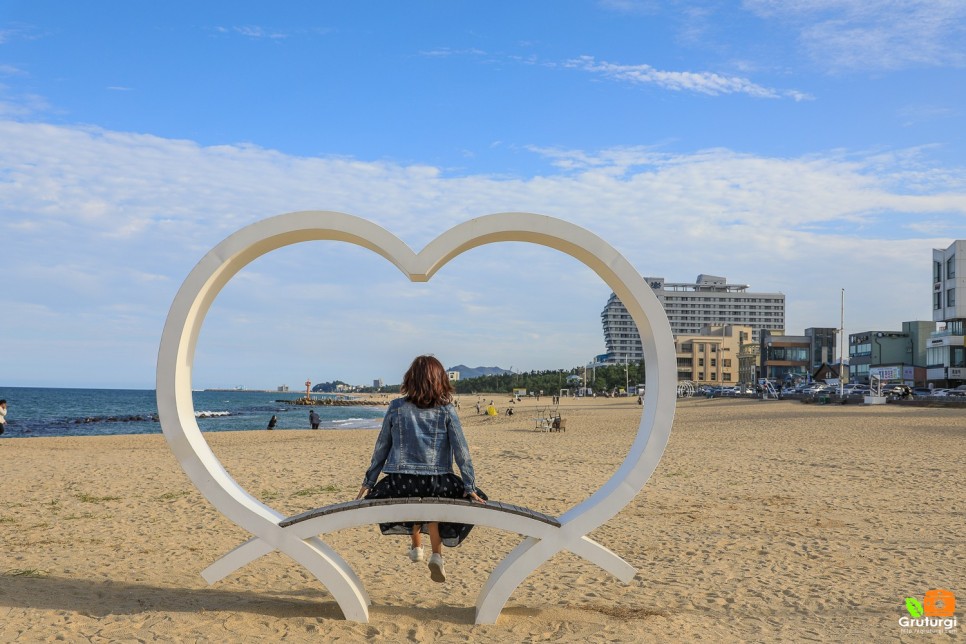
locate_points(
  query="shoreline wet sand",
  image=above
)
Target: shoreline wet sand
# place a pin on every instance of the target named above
(765, 521)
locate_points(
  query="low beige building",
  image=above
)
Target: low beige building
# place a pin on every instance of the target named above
(712, 356)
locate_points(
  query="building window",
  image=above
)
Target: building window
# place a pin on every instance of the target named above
(951, 267)
(700, 362)
(937, 300)
(951, 297)
(937, 271)
(864, 349)
(726, 362)
(726, 377)
(714, 363)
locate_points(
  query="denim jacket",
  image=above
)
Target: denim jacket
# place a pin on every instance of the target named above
(420, 441)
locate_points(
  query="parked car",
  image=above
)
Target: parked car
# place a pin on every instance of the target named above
(920, 392)
(817, 388)
(896, 389)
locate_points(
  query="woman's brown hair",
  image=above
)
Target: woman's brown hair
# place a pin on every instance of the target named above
(426, 383)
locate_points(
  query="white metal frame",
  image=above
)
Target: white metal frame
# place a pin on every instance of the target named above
(301, 541)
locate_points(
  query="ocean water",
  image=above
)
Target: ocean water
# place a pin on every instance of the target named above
(34, 411)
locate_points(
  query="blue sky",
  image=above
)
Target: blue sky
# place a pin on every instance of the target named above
(798, 146)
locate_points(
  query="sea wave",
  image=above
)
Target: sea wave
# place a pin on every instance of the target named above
(354, 423)
(211, 414)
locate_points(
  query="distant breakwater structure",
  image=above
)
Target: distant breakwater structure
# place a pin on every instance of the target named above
(335, 402)
(140, 418)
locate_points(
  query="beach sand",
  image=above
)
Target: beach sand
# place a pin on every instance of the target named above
(765, 521)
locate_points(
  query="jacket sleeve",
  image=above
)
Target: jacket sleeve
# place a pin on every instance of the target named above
(461, 451)
(381, 451)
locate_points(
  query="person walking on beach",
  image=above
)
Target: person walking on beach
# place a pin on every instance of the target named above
(314, 419)
(3, 415)
(420, 438)
(272, 421)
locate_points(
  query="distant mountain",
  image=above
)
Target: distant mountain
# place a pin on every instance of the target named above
(475, 372)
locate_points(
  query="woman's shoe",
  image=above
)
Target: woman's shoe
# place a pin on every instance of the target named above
(436, 570)
(416, 554)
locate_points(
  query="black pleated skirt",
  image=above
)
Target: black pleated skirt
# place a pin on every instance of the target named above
(397, 486)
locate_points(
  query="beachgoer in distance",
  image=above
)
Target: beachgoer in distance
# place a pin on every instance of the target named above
(420, 438)
(314, 419)
(3, 415)
(272, 421)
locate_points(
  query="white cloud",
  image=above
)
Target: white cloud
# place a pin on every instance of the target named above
(253, 31)
(861, 35)
(92, 219)
(11, 70)
(709, 83)
(631, 6)
(447, 52)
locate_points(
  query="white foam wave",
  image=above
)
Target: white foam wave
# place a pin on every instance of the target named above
(211, 414)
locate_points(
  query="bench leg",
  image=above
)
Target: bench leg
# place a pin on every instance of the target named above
(509, 574)
(323, 562)
(597, 554)
(530, 555)
(334, 573)
(239, 557)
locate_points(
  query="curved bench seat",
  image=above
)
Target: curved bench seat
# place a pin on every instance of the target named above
(493, 506)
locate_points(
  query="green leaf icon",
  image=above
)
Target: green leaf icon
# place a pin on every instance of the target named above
(914, 606)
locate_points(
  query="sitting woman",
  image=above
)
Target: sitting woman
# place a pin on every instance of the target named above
(420, 438)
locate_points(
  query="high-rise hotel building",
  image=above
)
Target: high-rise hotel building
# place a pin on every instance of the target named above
(709, 301)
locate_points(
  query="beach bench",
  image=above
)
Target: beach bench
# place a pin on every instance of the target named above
(299, 537)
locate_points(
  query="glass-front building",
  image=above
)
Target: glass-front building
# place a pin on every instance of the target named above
(785, 359)
(945, 365)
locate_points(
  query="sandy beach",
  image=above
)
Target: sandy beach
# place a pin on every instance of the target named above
(765, 521)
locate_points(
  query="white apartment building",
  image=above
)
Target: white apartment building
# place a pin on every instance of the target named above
(709, 301)
(945, 351)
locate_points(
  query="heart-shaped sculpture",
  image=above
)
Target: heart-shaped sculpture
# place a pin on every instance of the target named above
(180, 427)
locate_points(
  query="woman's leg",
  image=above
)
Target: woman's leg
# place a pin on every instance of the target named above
(418, 537)
(434, 539)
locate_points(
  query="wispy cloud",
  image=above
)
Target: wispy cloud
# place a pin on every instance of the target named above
(847, 35)
(11, 70)
(447, 52)
(13, 105)
(253, 31)
(646, 7)
(709, 83)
